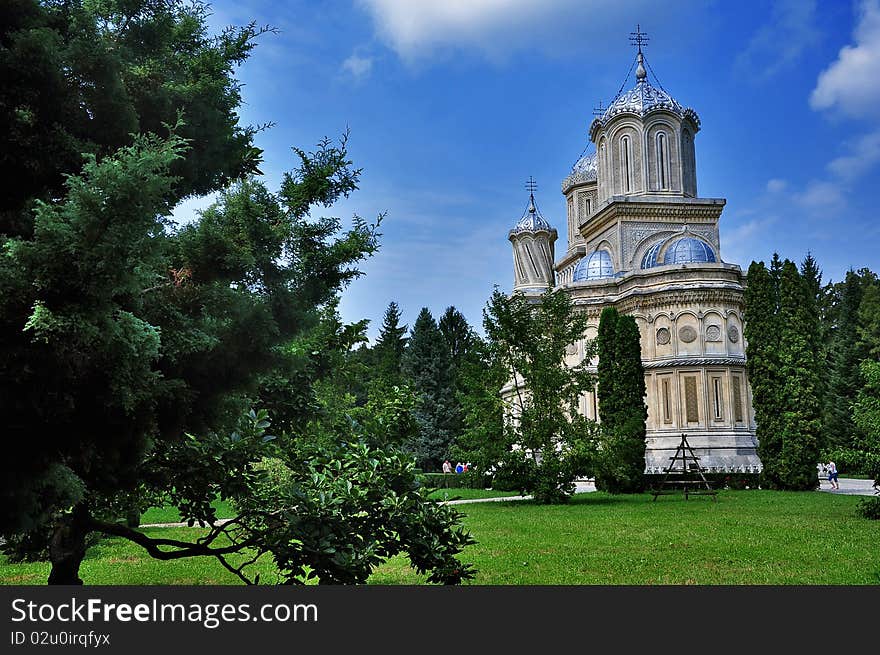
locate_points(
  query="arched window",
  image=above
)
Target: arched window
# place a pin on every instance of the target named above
(626, 160)
(662, 160)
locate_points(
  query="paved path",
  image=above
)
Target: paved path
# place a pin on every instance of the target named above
(849, 487)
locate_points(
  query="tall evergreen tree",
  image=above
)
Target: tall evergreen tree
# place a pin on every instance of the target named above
(620, 463)
(606, 342)
(426, 364)
(846, 351)
(801, 417)
(390, 346)
(782, 353)
(869, 318)
(458, 334)
(761, 334)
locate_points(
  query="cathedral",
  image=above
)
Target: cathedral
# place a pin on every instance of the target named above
(639, 238)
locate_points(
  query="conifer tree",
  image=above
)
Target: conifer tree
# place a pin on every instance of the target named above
(761, 332)
(846, 351)
(606, 345)
(390, 346)
(458, 335)
(781, 362)
(801, 418)
(426, 365)
(621, 460)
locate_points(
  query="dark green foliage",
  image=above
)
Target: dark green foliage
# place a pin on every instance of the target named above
(869, 508)
(130, 350)
(466, 480)
(782, 365)
(761, 333)
(82, 77)
(869, 318)
(529, 336)
(620, 461)
(390, 346)
(846, 351)
(459, 337)
(427, 367)
(483, 440)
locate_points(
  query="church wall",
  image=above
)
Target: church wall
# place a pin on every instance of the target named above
(672, 168)
(688, 163)
(626, 155)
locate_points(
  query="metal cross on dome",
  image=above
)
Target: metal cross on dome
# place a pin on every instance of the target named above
(531, 185)
(598, 111)
(638, 38)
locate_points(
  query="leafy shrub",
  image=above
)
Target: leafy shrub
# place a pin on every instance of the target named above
(869, 508)
(468, 480)
(851, 460)
(734, 480)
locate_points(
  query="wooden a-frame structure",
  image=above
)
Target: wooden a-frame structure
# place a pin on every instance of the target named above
(684, 474)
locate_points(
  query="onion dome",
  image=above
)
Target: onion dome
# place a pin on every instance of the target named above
(584, 170)
(643, 99)
(595, 266)
(531, 220)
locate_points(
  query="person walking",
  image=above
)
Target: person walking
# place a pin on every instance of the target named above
(447, 466)
(832, 475)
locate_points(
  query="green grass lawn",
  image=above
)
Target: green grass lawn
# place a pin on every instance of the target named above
(170, 514)
(746, 537)
(469, 494)
(224, 509)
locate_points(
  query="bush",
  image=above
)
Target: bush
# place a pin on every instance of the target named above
(857, 462)
(734, 480)
(869, 508)
(469, 480)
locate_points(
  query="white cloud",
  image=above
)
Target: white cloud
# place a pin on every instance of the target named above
(864, 153)
(821, 196)
(416, 29)
(776, 185)
(777, 45)
(849, 84)
(358, 66)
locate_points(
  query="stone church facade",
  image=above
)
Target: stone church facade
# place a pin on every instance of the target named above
(639, 238)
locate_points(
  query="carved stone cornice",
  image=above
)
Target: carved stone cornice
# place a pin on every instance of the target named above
(731, 360)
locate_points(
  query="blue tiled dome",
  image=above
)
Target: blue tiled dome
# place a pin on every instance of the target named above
(594, 267)
(650, 258)
(685, 250)
(688, 250)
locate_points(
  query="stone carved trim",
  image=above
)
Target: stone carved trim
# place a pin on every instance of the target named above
(687, 334)
(713, 333)
(695, 361)
(662, 336)
(733, 334)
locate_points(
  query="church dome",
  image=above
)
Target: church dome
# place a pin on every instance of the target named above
(641, 100)
(688, 250)
(584, 170)
(595, 266)
(531, 220)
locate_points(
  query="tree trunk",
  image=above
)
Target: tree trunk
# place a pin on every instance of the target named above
(68, 547)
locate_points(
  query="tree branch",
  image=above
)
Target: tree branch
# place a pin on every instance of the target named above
(184, 548)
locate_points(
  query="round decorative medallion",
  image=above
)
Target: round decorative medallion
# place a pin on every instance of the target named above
(571, 349)
(687, 334)
(733, 334)
(662, 336)
(713, 333)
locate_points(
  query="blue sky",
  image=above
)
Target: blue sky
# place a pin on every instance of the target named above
(453, 104)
